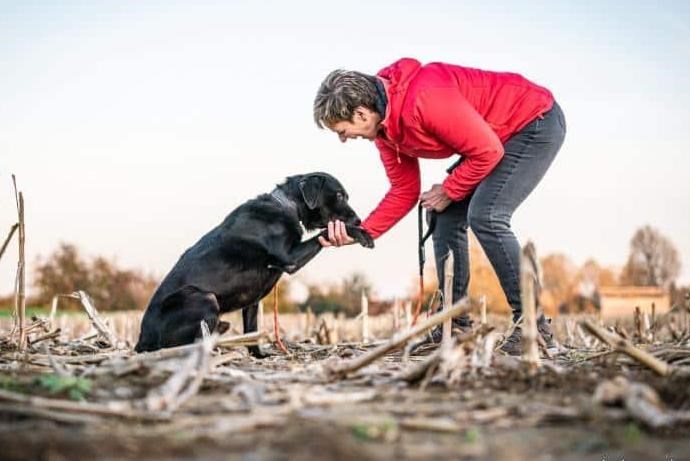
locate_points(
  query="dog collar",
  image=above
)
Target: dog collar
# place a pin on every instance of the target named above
(279, 196)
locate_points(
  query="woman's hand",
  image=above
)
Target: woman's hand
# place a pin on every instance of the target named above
(435, 198)
(337, 235)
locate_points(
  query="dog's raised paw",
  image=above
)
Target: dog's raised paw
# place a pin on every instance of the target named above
(368, 243)
(363, 238)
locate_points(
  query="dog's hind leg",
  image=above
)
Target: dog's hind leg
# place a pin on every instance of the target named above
(150, 330)
(249, 323)
(182, 315)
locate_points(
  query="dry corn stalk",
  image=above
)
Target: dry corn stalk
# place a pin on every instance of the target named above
(20, 297)
(365, 318)
(399, 339)
(447, 298)
(528, 282)
(623, 345)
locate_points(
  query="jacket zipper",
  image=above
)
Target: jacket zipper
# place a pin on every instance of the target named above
(397, 148)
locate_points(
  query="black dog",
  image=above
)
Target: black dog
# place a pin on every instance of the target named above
(238, 263)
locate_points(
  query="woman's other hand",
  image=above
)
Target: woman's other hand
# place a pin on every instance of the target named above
(435, 198)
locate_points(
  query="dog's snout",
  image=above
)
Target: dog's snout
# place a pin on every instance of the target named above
(351, 217)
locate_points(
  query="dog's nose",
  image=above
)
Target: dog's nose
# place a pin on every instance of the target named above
(357, 222)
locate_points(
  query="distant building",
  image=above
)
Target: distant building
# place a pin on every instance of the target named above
(617, 302)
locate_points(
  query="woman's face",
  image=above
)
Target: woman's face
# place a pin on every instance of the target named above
(364, 124)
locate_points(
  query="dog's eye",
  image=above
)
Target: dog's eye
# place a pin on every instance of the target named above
(339, 196)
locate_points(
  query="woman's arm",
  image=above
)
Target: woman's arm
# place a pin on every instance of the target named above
(445, 113)
(403, 175)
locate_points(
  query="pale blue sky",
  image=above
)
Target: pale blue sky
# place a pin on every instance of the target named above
(134, 127)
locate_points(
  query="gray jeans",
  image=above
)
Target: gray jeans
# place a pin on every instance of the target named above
(488, 211)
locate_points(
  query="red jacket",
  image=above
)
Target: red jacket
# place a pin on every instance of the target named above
(437, 110)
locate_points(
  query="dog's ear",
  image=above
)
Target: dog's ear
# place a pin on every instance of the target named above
(311, 189)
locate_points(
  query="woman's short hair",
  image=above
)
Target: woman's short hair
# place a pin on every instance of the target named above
(341, 92)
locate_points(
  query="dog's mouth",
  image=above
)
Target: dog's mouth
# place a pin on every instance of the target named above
(351, 220)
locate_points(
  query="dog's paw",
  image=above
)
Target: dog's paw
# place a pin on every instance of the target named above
(257, 353)
(222, 327)
(361, 236)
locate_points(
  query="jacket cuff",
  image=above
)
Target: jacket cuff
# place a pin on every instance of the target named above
(371, 233)
(448, 189)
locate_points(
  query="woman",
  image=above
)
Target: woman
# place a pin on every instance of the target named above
(506, 128)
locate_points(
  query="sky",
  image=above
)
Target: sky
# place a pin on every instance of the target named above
(134, 127)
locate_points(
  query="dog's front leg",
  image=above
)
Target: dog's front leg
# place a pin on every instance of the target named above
(249, 324)
(303, 253)
(297, 257)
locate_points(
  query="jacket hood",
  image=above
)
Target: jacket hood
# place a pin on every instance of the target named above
(397, 78)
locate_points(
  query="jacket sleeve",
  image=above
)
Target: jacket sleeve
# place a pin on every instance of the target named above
(403, 175)
(445, 113)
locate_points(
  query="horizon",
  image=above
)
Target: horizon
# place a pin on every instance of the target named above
(133, 128)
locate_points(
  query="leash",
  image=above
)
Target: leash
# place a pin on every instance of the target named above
(276, 327)
(422, 238)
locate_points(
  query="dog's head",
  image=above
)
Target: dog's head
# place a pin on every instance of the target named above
(321, 198)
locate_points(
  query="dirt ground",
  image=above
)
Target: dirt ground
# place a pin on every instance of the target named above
(294, 408)
(282, 409)
(306, 438)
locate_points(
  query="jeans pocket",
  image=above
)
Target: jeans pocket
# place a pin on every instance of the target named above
(538, 122)
(561, 119)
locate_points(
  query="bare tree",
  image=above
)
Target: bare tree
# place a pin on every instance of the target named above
(111, 287)
(352, 288)
(559, 276)
(341, 297)
(653, 259)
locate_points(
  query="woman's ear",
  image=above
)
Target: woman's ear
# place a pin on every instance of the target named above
(361, 113)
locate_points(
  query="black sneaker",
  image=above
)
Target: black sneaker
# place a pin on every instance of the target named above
(459, 325)
(513, 343)
(544, 328)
